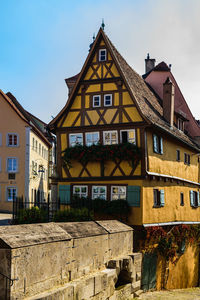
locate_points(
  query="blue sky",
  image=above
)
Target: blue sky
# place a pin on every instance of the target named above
(45, 41)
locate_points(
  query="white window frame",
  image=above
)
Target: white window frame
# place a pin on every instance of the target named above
(110, 131)
(128, 130)
(80, 186)
(93, 100)
(76, 143)
(100, 54)
(13, 171)
(99, 186)
(110, 100)
(93, 143)
(7, 139)
(118, 186)
(13, 188)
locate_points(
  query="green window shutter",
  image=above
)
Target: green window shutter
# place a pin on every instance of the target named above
(198, 199)
(133, 196)
(64, 194)
(161, 146)
(162, 198)
(191, 198)
(155, 144)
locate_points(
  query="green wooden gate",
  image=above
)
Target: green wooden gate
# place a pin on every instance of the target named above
(149, 263)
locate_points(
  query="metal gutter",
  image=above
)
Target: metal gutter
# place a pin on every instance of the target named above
(170, 223)
(172, 177)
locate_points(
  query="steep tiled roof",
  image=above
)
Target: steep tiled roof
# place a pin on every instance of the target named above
(26, 116)
(146, 100)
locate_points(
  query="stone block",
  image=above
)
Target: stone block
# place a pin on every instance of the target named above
(138, 276)
(100, 283)
(136, 257)
(88, 290)
(136, 286)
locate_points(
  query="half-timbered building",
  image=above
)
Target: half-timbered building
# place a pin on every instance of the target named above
(110, 104)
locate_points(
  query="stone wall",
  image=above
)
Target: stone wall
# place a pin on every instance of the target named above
(85, 260)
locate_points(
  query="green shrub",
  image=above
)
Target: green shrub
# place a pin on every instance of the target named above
(73, 215)
(31, 215)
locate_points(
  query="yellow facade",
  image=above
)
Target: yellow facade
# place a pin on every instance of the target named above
(164, 183)
(19, 159)
(10, 122)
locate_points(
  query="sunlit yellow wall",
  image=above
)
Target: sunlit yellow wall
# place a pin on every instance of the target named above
(135, 216)
(183, 273)
(167, 164)
(172, 211)
(10, 122)
(39, 182)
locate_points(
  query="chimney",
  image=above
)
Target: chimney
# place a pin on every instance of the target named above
(149, 63)
(168, 101)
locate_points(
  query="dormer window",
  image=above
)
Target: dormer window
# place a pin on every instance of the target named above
(96, 101)
(102, 55)
(180, 124)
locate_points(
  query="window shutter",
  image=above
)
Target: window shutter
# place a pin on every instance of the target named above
(155, 144)
(198, 199)
(162, 198)
(191, 198)
(64, 194)
(133, 196)
(161, 145)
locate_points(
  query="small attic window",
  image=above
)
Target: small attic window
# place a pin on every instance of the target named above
(102, 54)
(180, 124)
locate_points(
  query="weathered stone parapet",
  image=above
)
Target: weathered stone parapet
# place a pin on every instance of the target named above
(85, 260)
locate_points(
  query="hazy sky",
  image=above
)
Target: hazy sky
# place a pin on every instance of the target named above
(45, 41)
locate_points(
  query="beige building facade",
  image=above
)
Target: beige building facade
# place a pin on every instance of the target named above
(24, 155)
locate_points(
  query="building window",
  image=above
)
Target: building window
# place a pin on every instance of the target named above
(80, 190)
(92, 138)
(36, 145)
(186, 159)
(181, 199)
(181, 124)
(12, 140)
(108, 100)
(194, 199)
(178, 155)
(12, 166)
(75, 139)
(11, 193)
(96, 101)
(40, 149)
(102, 55)
(110, 137)
(118, 193)
(158, 198)
(157, 144)
(99, 192)
(128, 136)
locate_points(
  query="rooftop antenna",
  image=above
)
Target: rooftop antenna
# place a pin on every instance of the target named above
(103, 24)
